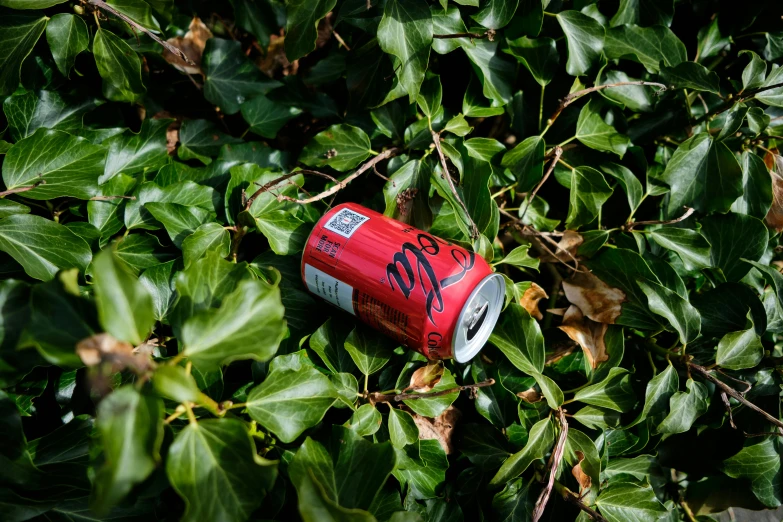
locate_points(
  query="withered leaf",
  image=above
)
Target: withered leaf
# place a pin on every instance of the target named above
(774, 216)
(441, 428)
(530, 396)
(530, 299)
(597, 300)
(581, 477)
(192, 44)
(425, 378)
(587, 333)
(565, 250)
(275, 59)
(103, 348)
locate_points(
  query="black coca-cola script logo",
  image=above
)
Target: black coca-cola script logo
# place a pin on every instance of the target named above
(424, 273)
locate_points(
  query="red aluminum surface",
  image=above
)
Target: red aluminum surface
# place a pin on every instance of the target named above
(404, 282)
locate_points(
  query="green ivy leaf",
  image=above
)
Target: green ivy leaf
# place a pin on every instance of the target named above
(341, 147)
(302, 19)
(538, 55)
(589, 191)
(614, 392)
(650, 46)
(759, 463)
(496, 14)
(289, 402)
(402, 428)
(405, 32)
(19, 33)
(267, 117)
(124, 304)
(248, 325)
(585, 38)
(691, 75)
(119, 66)
(592, 131)
(685, 408)
(206, 238)
(722, 232)
(519, 337)
(682, 315)
(643, 12)
(539, 442)
(369, 350)
(130, 425)
(741, 349)
(622, 501)
(218, 453)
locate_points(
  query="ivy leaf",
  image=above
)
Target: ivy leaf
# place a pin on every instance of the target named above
(589, 191)
(742, 349)
(520, 258)
(691, 75)
(628, 181)
(756, 199)
(302, 19)
(124, 304)
(773, 97)
(725, 308)
(402, 428)
(685, 407)
(656, 398)
(130, 425)
(422, 467)
(622, 501)
(119, 66)
(68, 166)
(526, 162)
(231, 78)
(519, 337)
(267, 117)
(539, 442)
(703, 173)
(614, 392)
(495, 73)
(130, 153)
(585, 38)
(158, 280)
(180, 221)
(433, 406)
(405, 32)
(369, 350)
(341, 147)
(593, 131)
(650, 46)
(538, 55)
(289, 402)
(759, 463)
(29, 111)
(206, 238)
(19, 33)
(722, 232)
(496, 13)
(328, 342)
(365, 421)
(29, 4)
(412, 180)
(643, 12)
(201, 140)
(690, 245)
(218, 453)
(41, 246)
(248, 325)
(682, 315)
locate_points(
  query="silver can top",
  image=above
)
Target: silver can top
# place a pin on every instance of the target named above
(478, 318)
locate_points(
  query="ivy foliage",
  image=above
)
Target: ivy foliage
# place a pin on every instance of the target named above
(163, 163)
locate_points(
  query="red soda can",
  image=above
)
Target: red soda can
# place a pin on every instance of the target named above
(428, 294)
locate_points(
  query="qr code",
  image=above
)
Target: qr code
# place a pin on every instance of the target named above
(346, 222)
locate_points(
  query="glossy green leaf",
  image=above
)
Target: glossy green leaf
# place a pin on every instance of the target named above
(67, 36)
(206, 238)
(119, 66)
(538, 55)
(585, 38)
(624, 501)
(267, 117)
(369, 350)
(741, 349)
(691, 75)
(341, 147)
(643, 12)
(722, 232)
(289, 402)
(589, 191)
(540, 440)
(402, 428)
(593, 131)
(405, 32)
(519, 337)
(759, 463)
(614, 392)
(302, 19)
(685, 407)
(495, 14)
(649, 46)
(18, 34)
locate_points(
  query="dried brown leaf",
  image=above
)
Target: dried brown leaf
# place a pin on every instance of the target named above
(425, 378)
(275, 60)
(774, 216)
(568, 244)
(441, 428)
(530, 396)
(581, 477)
(597, 300)
(530, 299)
(587, 333)
(103, 348)
(192, 44)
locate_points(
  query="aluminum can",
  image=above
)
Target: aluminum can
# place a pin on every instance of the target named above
(428, 294)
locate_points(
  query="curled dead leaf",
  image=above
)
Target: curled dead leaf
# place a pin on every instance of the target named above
(425, 378)
(597, 300)
(774, 216)
(530, 299)
(441, 428)
(105, 349)
(275, 59)
(530, 396)
(568, 244)
(581, 477)
(587, 333)
(192, 44)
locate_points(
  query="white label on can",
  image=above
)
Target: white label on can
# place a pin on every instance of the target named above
(345, 222)
(329, 288)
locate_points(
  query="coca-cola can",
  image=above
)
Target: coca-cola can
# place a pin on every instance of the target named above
(428, 294)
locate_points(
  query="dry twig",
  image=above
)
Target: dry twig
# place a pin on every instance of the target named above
(630, 226)
(528, 201)
(554, 463)
(474, 231)
(399, 397)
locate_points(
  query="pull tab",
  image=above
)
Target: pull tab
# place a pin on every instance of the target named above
(476, 319)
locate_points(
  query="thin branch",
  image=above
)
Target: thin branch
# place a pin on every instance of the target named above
(728, 390)
(731, 101)
(571, 98)
(489, 35)
(275, 182)
(22, 189)
(391, 397)
(630, 226)
(474, 231)
(339, 39)
(528, 201)
(341, 184)
(528, 230)
(172, 49)
(557, 456)
(573, 498)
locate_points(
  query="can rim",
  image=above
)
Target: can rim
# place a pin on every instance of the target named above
(490, 289)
